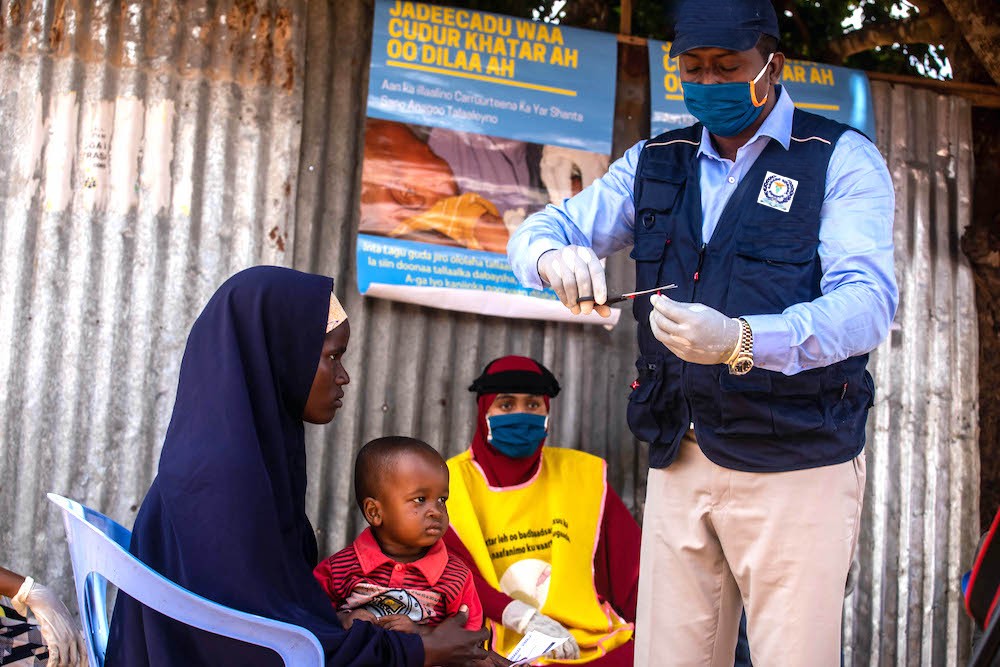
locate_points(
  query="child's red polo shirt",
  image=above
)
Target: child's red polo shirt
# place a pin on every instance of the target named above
(427, 590)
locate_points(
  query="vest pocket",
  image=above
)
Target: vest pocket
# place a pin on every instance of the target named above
(869, 390)
(796, 404)
(771, 274)
(649, 247)
(853, 397)
(744, 406)
(762, 403)
(661, 183)
(650, 400)
(647, 250)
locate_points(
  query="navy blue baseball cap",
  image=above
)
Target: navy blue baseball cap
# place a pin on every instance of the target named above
(726, 24)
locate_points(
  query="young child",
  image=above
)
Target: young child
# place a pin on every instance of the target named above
(398, 573)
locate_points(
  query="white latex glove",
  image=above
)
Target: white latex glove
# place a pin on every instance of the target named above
(522, 618)
(575, 271)
(558, 164)
(61, 634)
(692, 331)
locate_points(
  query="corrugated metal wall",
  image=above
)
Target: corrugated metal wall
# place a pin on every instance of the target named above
(150, 149)
(922, 503)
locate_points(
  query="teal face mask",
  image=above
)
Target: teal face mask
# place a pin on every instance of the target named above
(517, 435)
(726, 109)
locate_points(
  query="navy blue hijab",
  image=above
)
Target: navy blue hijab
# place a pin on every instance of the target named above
(225, 516)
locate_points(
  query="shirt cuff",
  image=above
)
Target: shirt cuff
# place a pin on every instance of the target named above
(771, 341)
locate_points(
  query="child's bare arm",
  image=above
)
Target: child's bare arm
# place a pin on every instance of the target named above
(402, 623)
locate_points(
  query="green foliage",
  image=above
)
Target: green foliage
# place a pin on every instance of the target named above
(807, 26)
(651, 19)
(913, 59)
(813, 25)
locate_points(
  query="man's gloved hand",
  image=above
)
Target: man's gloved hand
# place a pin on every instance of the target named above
(558, 164)
(61, 634)
(694, 332)
(575, 271)
(521, 618)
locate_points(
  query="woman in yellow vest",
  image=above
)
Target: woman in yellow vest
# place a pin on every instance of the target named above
(551, 545)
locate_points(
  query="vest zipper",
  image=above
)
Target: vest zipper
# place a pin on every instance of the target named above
(701, 260)
(697, 271)
(694, 286)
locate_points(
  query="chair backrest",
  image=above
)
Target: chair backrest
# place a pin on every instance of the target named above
(98, 548)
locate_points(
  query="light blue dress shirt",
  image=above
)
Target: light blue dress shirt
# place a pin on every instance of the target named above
(855, 242)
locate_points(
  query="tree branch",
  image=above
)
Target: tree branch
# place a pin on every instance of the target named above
(981, 32)
(925, 6)
(926, 28)
(800, 25)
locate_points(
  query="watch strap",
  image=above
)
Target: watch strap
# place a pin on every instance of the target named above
(742, 360)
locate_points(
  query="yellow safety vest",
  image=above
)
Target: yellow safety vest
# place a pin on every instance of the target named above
(536, 542)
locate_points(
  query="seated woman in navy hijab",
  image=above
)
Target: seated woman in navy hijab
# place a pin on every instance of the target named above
(225, 516)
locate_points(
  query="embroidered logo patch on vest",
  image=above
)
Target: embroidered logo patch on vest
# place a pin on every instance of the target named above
(777, 191)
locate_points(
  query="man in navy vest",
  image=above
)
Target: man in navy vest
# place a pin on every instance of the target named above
(776, 226)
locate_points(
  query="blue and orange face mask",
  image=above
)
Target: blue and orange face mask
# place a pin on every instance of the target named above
(726, 109)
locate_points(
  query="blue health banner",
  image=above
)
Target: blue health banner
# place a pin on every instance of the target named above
(835, 92)
(475, 122)
(492, 74)
(393, 261)
(472, 281)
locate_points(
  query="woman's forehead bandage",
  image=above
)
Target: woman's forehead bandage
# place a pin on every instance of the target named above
(337, 314)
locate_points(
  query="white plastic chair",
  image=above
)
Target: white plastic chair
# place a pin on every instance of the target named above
(98, 548)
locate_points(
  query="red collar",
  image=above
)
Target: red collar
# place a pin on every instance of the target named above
(371, 556)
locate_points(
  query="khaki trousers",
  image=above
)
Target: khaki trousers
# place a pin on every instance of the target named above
(779, 545)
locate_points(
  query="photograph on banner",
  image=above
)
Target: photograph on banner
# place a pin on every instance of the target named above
(475, 121)
(838, 93)
(468, 190)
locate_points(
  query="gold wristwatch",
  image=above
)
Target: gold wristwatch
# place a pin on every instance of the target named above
(742, 361)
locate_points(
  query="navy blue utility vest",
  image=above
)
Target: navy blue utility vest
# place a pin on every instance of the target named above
(760, 260)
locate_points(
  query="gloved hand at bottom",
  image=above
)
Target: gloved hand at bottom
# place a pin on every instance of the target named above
(60, 632)
(693, 331)
(521, 618)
